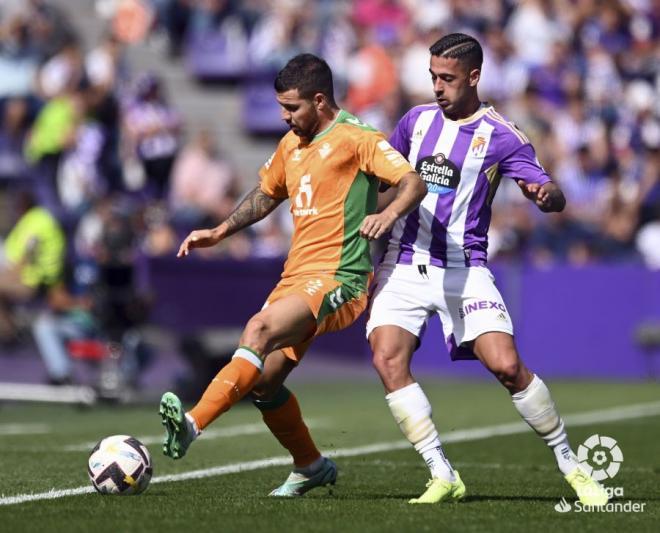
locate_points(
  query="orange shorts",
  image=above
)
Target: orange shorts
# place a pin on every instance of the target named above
(335, 303)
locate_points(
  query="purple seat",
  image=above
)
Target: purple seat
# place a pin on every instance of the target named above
(261, 112)
(215, 56)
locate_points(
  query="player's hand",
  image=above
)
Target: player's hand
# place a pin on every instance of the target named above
(536, 193)
(375, 226)
(201, 238)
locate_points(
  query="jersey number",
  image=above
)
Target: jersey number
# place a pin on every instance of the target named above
(305, 188)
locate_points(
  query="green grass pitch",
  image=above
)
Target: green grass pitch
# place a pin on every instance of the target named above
(511, 479)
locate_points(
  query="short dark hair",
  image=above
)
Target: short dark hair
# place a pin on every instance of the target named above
(307, 73)
(460, 46)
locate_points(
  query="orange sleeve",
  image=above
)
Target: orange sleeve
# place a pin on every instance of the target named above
(378, 158)
(272, 174)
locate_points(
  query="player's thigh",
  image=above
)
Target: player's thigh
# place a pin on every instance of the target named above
(332, 303)
(473, 306)
(400, 296)
(284, 322)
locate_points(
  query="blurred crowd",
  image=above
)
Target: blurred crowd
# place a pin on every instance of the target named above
(580, 77)
(96, 160)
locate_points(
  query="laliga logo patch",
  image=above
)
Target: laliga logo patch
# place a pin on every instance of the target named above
(600, 456)
(439, 173)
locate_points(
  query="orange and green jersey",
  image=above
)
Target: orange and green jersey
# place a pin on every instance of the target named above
(332, 184)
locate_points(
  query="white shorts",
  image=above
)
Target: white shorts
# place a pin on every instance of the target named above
(466, 299)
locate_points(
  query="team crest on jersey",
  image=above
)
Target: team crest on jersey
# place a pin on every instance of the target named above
(296, 154)
(325, 150)
(439, 173)
(478, 146)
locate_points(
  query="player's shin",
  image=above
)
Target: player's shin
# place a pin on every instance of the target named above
(233, 382)
(412, 412)
(283, 417)
(537, 408)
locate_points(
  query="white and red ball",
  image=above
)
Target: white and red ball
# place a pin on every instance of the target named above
(120, 464)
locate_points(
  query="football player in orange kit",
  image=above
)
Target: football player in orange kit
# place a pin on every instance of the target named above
(329, 165)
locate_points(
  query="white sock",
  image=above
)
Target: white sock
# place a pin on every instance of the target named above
(536, 407)
(412, 411)
(193, 425)
(310, 469)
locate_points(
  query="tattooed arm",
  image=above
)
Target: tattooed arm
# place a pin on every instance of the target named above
(255, 206)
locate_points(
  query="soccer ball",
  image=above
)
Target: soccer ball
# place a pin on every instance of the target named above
(120, 465)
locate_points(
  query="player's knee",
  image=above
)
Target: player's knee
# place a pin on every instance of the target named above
(257, 332)
(507, 370)
(263, 391)
(388, 361)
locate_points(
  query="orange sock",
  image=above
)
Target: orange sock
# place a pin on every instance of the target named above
(283, 417)
(233, 382)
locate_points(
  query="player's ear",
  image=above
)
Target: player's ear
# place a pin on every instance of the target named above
(319, 101)
(474, 76)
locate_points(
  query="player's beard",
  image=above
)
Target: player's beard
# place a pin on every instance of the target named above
(307, 134)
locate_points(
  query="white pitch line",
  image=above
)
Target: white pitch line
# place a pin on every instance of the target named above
(23, 429)
(578, 419)
(209, 434)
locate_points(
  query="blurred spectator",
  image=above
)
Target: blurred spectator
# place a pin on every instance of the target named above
(284, 31)
(54, 128)
(160, 237)
(579, 78)
(65, 317)
(104, 64)
(131, 20)
(272, 235)
(19, 58)
(34, 254)
(15, 124)
(372, 74)
(107, 73)
(204, 185)
(533, 29)
(414, 67)
(153, 127)
(50, 29)
(503, 75)
(384, 20)
(78, 179)
(563, 240)
(62, 73)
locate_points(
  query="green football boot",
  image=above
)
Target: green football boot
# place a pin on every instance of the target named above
(180, 432)
(298, 484)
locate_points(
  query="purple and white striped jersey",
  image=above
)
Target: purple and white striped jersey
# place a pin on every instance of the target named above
(461, 162)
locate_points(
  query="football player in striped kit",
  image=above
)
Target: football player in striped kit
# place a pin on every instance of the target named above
(435, 262)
